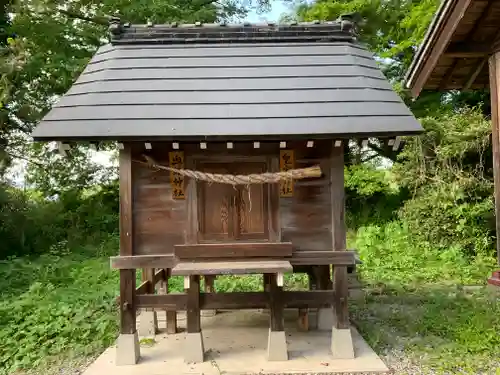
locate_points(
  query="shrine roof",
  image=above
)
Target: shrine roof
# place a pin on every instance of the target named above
(218, 81)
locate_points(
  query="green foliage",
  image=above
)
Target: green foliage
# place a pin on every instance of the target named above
(394, 256)
(449, 174)
(371, 195)
(391, 28)
(32, 225)
(59, 304)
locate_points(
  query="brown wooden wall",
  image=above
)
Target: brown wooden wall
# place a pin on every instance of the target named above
(306, 217)
(160, 222)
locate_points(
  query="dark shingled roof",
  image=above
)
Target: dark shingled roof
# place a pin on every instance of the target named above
(180, 82)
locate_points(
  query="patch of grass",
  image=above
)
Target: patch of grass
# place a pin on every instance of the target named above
(61, 304)
(392, 257)
(417, 303)
(148, 342)
(444, 329)
(59, 311)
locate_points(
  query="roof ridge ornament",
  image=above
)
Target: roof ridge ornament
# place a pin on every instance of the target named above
(115, 28)
(350, 21)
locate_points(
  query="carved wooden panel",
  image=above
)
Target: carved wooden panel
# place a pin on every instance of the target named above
(176, 160)
(233, 213)
(252, 205)
(214, 212)
(287, 162)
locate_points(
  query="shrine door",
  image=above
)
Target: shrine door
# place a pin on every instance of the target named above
(228, 213)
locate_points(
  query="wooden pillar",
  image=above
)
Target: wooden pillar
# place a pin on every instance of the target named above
(276, 305)
(148, 321)
(494, 68)
(209, 288)
(342, 346)
(276, 346)
(171, 315)
(128, 343)
(194, 349)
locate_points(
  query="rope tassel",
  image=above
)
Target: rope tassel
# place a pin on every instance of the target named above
(257, 178)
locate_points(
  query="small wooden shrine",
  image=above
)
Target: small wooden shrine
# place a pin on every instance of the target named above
(231, 152)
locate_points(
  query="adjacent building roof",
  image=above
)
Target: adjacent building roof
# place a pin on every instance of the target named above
(455, 50)
(180, 82)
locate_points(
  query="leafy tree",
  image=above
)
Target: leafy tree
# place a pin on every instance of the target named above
(448, 172)
(58, 38)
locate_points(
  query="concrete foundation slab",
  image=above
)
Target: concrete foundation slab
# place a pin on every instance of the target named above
(236, 343)
(276, 346)
(127, 349)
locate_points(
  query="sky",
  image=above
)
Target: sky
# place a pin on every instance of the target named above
(278, 7)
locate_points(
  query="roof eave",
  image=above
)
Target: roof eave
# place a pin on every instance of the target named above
(219, 138)
(427, 47)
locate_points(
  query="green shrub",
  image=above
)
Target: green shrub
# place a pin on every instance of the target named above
(393, 255)
(449, 175)
(59, 305)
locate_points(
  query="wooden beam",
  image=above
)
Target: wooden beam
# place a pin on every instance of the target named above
(231, 267)
(467, 49)
(127, 276)
(234, 250)
(169, 302)
(144, 287)
(494, 68)
(237, 300)
(339, 237)
(474, 73)
(316, 258)
(431, 57)
(143, 261)
(468, 44)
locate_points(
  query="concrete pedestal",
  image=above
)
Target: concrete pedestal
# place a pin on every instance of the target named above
(325, 319)
(127, 349)
(148, 323)
(194, 351)
(276, 346)
(342, 346)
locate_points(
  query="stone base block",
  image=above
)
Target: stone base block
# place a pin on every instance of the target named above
(128, 349)
(276, 346)
(342, 346)
(148, 323)
(325, 319)
(313, 319)
(194, 351)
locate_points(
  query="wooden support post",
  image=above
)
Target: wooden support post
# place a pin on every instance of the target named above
(128, 350)
(312, 312)
(494, 68)
(341, 346)
(171, 318)
(209, 288)
(148, 321)
(303, 323)
(276, 346)
(194, 350)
